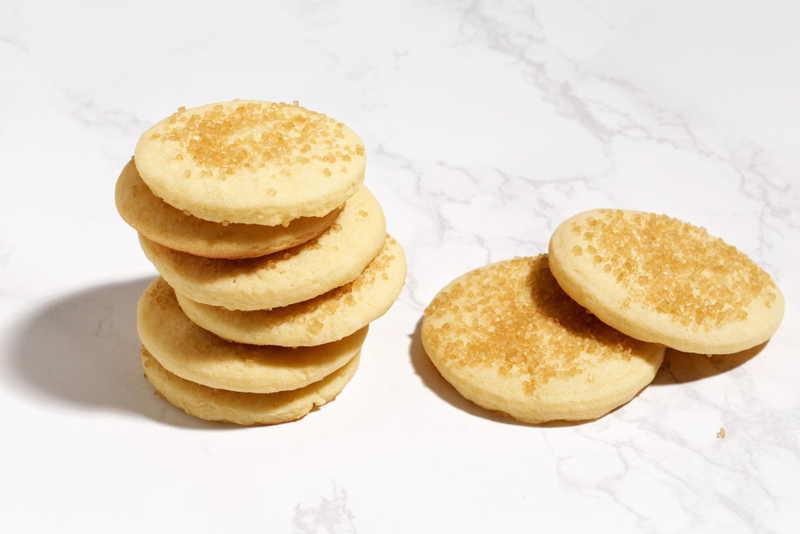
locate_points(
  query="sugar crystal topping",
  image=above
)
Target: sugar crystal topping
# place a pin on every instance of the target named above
(514, 317)
(252, 135)
(673, 267)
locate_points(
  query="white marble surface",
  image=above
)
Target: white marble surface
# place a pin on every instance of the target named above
(486, 124)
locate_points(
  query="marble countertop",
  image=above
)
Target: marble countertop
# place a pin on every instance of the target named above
(486, 124)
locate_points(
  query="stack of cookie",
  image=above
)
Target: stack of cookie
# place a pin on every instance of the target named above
(273, 258)
(577, 332)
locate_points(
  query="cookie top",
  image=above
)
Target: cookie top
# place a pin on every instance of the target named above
(663, 280)
(328, 317)
(248, 161)
(168, 226)
(199, 356)
(245, 408)
(509, 339)
(332, 259)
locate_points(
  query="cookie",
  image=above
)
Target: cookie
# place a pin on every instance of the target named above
(245, 408)
(509, 339)
(333, 259)
(199, 356)
(251, 162)
(328, 317)
(662, 280)
(168, 226)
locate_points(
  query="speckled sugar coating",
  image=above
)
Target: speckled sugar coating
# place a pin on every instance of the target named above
(199, 356)
(168, 226)
(248, 161)
(662, 280)
(509, 339)
(245, 408)
(331, 260)
(323, 319)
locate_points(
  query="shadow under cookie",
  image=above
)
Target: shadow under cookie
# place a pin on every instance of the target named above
(80, 352)
(682, 367)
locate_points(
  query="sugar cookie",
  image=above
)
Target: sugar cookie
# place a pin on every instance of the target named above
(331, 260)
(509, 339)
(661, 280)
(199, 356)
(168, 226)
(328, 317)
(251, 162)
(245, 408)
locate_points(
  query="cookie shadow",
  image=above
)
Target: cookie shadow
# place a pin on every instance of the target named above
(682, 367)
(434, 381)
(82, 350)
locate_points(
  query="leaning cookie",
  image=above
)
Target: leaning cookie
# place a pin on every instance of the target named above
(323, 319)
(334, 258)
(245, 408)
(509, 339)
(253, 162)
(168, 226)
(662, 280)
(199, 356)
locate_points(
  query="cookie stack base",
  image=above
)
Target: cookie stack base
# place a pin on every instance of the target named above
(245, 408)
(244, 384)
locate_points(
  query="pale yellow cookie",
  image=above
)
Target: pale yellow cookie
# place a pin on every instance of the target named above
(199, 356)
(662, 280)
(510, 340)
(328, 317)
(160, 222)
(251, 162)
(331, 260)
(245, 408)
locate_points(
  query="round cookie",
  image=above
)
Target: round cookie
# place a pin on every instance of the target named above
(509, 339)
(333, 259)
(245, 408)
(662, 280)
(248, 161)
(199, 356)
(328, 317)
(168, 226)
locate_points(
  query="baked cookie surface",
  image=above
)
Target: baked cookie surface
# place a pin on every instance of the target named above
(245, 408)
(328, 317)
(662, 280)
(334, 258)
(509, 339)
(168, 226)
(249, 161)
(199, 356)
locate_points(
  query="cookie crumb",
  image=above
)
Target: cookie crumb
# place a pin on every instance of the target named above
(721, 433)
